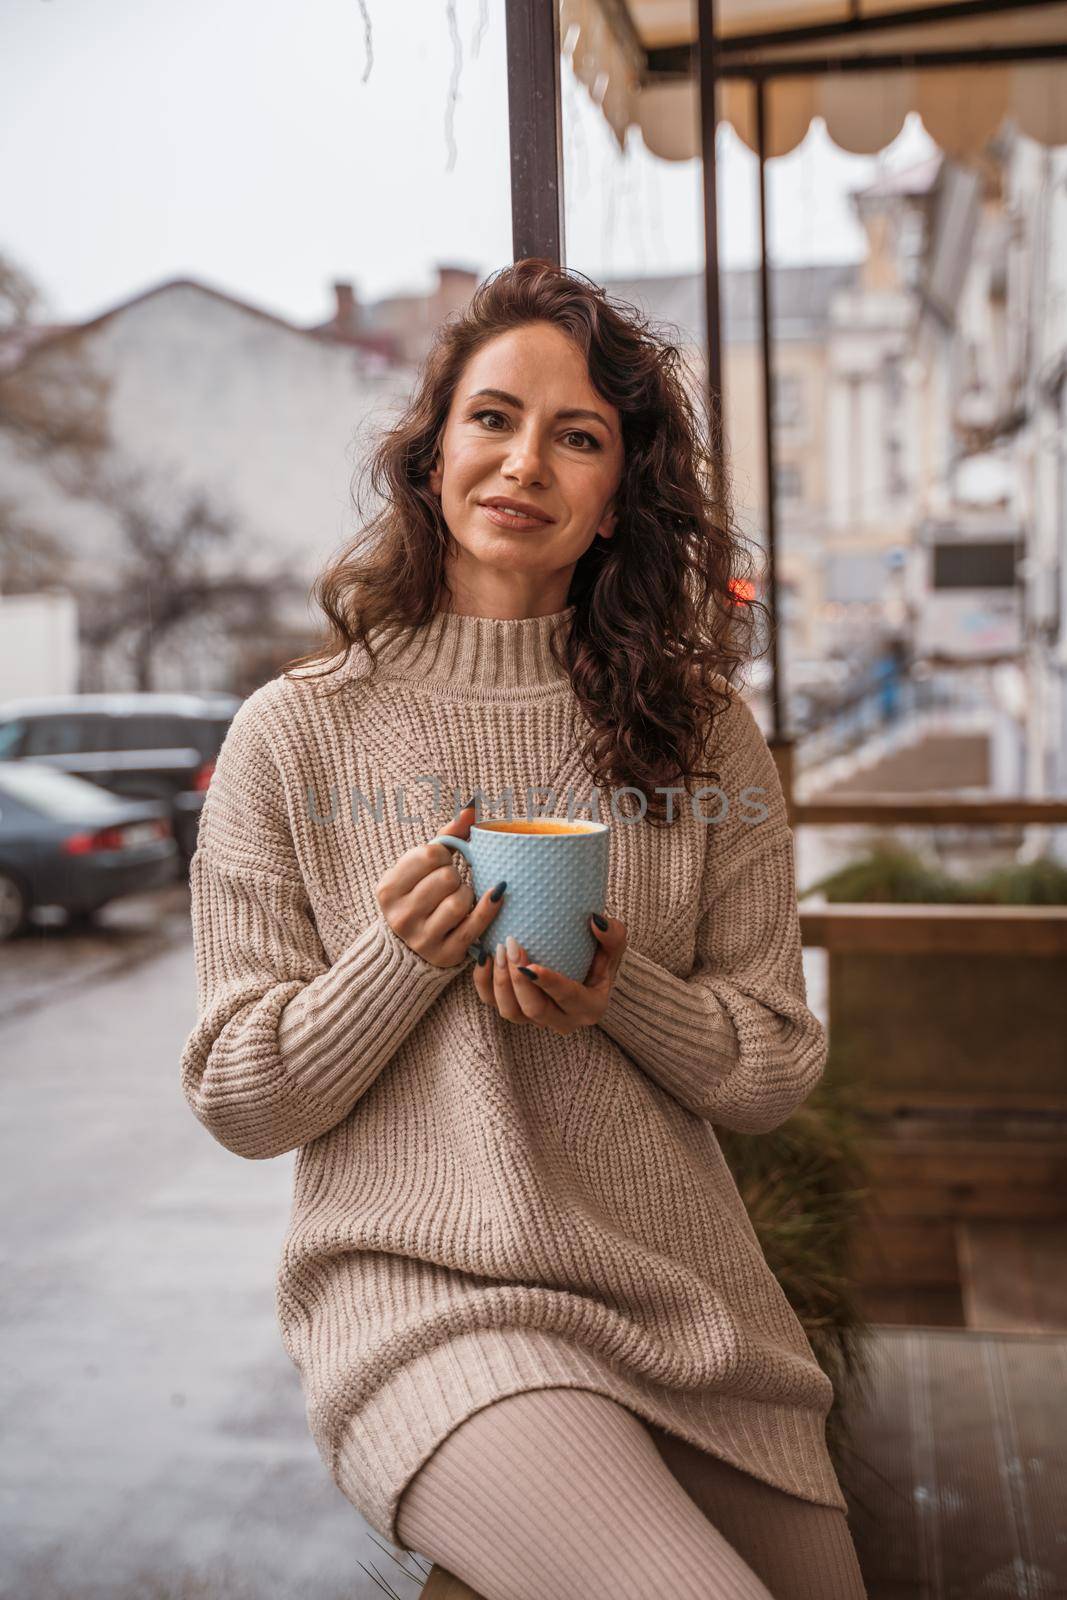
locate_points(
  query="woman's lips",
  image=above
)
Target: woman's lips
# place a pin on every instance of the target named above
(511, 519)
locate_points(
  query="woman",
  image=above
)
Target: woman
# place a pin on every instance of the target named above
(538, 1339)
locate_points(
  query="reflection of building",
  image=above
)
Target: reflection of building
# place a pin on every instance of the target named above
(1035, 201)
(876, 421)
(844, 421)
(921, 426)
(210, 393)
(994, 325)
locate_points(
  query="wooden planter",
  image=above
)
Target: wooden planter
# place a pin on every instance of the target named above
(952, 1021)
(968, 1001)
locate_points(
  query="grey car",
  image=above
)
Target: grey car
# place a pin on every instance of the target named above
(140, 746)
(65, 842)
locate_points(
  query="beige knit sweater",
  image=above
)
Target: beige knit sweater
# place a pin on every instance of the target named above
(481, 1207)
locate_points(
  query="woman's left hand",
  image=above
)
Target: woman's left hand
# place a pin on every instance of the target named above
(550, 1000)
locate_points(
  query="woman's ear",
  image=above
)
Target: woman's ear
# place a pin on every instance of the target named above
(436, 475)
(606, 525)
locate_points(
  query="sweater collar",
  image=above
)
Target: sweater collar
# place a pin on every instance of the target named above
(477, 653)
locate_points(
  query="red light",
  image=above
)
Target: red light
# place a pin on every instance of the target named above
(83, 844)
(742, 591)
(78, 844)
(203, 776)
(117, 837)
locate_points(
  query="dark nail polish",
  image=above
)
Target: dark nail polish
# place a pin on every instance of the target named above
(483, 957)
(528, 973)
(467, 803)
(499, 890)
(600, 921)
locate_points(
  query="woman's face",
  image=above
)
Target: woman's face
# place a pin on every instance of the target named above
(525, 426)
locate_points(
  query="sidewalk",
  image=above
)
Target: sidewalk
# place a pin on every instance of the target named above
(156, 1446)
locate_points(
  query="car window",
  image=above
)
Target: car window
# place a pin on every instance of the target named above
(210, 732)
(11, 733)
(147, 731)
(68, 734)
(56, 794)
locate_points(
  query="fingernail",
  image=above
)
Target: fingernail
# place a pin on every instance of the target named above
(467, 803)
(528, 973)
(501, 957)
(513, 947)
(600, 921)
(499, 890)
(483, 957)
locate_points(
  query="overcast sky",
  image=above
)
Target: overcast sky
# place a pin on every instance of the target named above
(142, 140)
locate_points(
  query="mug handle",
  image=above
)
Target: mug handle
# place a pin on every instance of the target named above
(462, 845)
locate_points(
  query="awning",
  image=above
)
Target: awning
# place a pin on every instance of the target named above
(836, 59)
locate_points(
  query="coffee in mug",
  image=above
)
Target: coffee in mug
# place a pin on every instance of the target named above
(556, 872)
(535, 825)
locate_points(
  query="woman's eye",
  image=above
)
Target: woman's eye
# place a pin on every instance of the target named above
(588, 440)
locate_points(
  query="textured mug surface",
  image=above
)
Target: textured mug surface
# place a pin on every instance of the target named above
(555, 882)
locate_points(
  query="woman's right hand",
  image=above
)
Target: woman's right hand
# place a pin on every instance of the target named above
(427, 904)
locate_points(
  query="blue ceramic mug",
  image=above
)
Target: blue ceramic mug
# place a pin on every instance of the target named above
(556, 872)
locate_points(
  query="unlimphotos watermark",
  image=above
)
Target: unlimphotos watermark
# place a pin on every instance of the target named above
(361, 809)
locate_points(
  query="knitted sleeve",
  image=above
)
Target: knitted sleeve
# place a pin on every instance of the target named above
(734, 1042)
(284, 1044)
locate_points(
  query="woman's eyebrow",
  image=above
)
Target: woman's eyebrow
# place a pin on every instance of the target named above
(513, 400)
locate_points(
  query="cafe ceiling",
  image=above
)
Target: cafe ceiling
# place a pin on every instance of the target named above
(637, 58)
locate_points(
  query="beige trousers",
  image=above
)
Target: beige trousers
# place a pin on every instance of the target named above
(552, 1494)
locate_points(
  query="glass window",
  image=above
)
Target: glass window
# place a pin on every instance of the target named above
(853, 576)
(789, 400)
(153, 731)
(789, 481)
(976, 565)
(207, 734)
(66, 734)
(56, 794)
(11, 737)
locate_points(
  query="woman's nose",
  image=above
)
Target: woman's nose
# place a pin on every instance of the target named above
(525, 460)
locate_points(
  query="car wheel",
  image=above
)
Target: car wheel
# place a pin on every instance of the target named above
(14, 907)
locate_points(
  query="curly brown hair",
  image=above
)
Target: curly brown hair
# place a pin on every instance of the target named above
(660, 608)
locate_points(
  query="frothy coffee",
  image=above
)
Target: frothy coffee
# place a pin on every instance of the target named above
(537, 825)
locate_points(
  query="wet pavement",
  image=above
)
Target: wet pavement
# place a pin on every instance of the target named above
(52, 955)
(155, 1442)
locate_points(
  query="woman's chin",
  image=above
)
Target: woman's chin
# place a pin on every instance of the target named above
(505, 551)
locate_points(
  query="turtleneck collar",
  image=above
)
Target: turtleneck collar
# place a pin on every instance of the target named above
(480, 655)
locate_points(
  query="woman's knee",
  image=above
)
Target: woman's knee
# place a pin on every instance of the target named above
(802, 1551)
(551, 1490)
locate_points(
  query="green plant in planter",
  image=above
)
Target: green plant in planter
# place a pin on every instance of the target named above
(914, 1023)
(804, 1187)
(890, 872)
(1033, 883)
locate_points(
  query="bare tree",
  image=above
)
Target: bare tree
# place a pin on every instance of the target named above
(51, 397)
(53, 410)
(31, 558)
(174, 567)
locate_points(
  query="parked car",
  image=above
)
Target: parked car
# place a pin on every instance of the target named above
(65, 842)
(149, 746)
